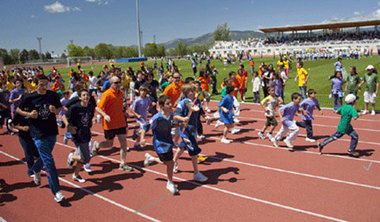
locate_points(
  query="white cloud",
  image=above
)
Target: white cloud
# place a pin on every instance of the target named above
(99, 2)
(58, 7)
(357, 13)
(32, 16)
(376, 14)
(91, 0)
(359, 16)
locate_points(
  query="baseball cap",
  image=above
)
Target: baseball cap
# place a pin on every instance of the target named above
(350, 98)
(370, 67)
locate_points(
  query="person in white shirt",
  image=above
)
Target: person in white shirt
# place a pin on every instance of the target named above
(256, 82)
(93, 80)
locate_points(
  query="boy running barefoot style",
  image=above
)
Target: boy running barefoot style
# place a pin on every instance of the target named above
(79, 122)
(309, 105)
(140, 110)
(269, 104)
(226, 112)
(161, 125)
(286, 114)
(347, 112)
(186, 112)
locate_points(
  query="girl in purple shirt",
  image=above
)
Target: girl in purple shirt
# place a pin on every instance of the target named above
(337, 90)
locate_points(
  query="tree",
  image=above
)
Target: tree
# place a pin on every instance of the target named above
(63, 56)
(5, 57)
(14, 54)
(222, 33)
(48, 55)
(74, 50)
(181, 49)
(103, 50)
(161, 51)
(150, 50)
(130, 52)
(199, 49)
(118, 52)
(24, 56)
(87, 51)
(34, 55)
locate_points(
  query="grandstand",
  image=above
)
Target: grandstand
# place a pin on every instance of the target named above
(332, 39)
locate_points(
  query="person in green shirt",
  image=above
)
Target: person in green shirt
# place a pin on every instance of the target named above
(371, 89)
(353, 81)
(347, 112)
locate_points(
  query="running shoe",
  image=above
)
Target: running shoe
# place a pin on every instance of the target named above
(225, 140)
(261, 135)
(200, 177)
(201, 158)
(148, 159)
(354, 153)
(37, 178)
(288, 143)
(95, 148)
(70, 161)
(59, 196)
(171, 187)
(310, 140)
(125, 167)
(235, 130)
(78, 178)
(175, 168)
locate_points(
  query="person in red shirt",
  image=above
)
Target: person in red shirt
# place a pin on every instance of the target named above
(242, 84)
(204, 79)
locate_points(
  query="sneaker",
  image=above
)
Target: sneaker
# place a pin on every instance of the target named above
(201, 159)
(288, 144)
(201, 137)
(87, 168)
(218, 123)
(274, 141)
(175, 168)
(70, 161)
(364, 112)
(236, 120)
(171, 187)
(148, 159)
(59, 196)
(234, 130)
(200, 177)
(261, 135)
(95, 148)
(37, 178)
(207, 110)
(125, 167)
(78, 178)
(373, 113)
(310, 140)
(354, 153)
(65, 139)
(225, 140)
(270, 136)
(320, 147)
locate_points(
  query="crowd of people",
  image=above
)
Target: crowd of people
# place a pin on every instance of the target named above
(160, 100)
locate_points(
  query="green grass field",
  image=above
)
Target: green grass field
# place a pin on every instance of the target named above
(319, 72)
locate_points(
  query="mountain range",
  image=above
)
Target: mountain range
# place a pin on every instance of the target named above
(208, 38)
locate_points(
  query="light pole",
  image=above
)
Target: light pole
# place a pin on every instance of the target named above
(39, 45)
(138, 28)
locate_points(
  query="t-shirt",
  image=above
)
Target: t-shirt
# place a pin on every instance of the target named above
(182, 110)
(21, 121)
(161, 127)
(241, 79)
(93, 81)
(338, 66)
(15, 93)
(353, 82)
(205, 81)
(289, 110)
(140, 106)
(152, 86)
(336, 85)
(111, 103)
(46, 122)
(173, 91)
(228, 103)
(347, 112)
(224, 92)
(164, 85)
(309, 105)
(278, 87)
(370, 82)
(302, 73)
(4, 98)
(286, 64)
(139, 83)
(81, 118)
(270, 104)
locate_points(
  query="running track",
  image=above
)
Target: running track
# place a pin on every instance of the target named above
(248, 180)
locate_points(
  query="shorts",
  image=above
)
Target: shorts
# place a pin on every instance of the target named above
(164, 157)
(110, 134)
(369, 97)
(271, 121)
(83, 150)
(189, 141)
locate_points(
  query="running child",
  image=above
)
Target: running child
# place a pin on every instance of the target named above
(79, 123)
(226, 112)
(309, 105)
(287, 113)
(161, 125)
(270, 104)
(347, 112)
(186, 112)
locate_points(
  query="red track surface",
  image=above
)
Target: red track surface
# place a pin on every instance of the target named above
(248, 180)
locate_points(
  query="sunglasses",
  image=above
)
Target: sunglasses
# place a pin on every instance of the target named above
(117, 82)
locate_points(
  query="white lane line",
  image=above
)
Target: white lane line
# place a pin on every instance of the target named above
(224, 191)
(2, 220)
(94, 194)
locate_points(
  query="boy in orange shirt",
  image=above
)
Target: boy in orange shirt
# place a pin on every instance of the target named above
(204, 79)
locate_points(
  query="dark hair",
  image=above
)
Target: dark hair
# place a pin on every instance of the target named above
(271, 87)
(231, 73)
(82, 90)
(162, 99)
(295, 96)
(229, 89)
(310, 91)
(242, 66)
(41, 77)
(300, 63)
(189, 79)
(354, 68)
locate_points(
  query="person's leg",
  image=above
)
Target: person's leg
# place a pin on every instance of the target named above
(373, 107)
(178, 154)
(123, 147)
(294, 130)
(335, 96)
(194, 160)
(309, 128)
(354, 141)
(45, 147)
(169, 169)
(332, 138)
(280, 134)
(28, 156)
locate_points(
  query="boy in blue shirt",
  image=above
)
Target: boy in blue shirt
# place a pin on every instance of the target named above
(286, 114)
(309, 105)
(347, 112)
(226, 112)
(187, 112)
(161, 125)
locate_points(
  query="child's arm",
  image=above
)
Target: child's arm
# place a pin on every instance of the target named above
(22, 128)
(280, 115)
(134, 113)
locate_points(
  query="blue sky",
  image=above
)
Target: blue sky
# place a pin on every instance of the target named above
(88, 22)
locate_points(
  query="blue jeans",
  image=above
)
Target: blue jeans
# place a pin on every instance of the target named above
(337, 135)
(303, 91)
(309, 127)
(30, 151)
(337, 101)
(45, 147)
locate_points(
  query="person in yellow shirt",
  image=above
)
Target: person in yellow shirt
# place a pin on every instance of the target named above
(286, 66)
(280, 62)
(302, 77)
(10, 83)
